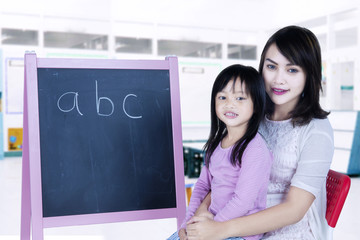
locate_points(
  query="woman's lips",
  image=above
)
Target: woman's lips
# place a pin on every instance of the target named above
(279, 91)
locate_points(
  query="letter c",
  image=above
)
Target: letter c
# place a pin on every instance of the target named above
(134, 117)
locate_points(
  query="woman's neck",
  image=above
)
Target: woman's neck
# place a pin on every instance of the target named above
(279, 117)
(280, 114)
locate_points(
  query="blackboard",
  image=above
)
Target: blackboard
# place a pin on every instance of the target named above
(102, 142)
(111, 137)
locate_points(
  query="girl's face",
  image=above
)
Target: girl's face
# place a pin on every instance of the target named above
(284, 81)
(233, 106)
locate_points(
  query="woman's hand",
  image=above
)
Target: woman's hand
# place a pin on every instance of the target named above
(203, 228)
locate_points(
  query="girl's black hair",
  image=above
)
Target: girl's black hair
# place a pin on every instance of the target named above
(255, 88)
(301, 47)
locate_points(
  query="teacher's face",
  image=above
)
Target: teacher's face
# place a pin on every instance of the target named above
(284, 81)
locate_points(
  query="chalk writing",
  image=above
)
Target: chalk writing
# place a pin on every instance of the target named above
(129, 95)
(98, 103)
(75, 104)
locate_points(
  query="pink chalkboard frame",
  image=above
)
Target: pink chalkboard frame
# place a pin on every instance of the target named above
(31, 201)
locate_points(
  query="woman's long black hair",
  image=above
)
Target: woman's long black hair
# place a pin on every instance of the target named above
(255, 88)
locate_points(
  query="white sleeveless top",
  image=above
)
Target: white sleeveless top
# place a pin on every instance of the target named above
(302, 158)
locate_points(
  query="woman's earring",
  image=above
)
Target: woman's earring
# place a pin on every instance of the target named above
(302, 95)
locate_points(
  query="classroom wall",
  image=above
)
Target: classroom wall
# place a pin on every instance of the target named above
(1, 110)
(194, 26)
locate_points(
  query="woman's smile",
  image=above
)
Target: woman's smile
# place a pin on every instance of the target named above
(279, 91)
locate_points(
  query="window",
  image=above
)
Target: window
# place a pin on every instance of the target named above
(189, 49)
(236, 51)
(19, 37)
(346, 37)
(75, 40)
(322, 41)
(133, 45)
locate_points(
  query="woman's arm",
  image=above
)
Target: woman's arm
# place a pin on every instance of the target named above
(316, 153)
(292, 210)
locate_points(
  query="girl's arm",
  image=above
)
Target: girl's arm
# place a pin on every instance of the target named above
(292, 210)
(201, 189)
(203, 209)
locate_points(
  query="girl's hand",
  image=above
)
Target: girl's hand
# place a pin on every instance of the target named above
(202, 210)
(182, 234)
(202, 228)
(204, 213)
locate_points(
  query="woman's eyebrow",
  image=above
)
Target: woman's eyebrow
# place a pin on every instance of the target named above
(272, 61)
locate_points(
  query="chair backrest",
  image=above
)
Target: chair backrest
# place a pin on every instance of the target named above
(337, 188)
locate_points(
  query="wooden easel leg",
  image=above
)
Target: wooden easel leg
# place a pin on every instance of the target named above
(25, 201)
(25, 181)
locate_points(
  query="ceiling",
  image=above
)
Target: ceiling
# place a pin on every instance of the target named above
(218, 14)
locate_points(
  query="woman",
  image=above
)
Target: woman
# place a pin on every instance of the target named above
(301, 138)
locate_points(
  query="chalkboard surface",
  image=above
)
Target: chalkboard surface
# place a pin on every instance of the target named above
(106, 140)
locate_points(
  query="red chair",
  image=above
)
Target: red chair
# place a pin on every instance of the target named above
(337, 188)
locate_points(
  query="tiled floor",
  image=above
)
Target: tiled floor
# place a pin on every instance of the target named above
(347, 228)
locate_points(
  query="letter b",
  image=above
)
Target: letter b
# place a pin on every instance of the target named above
(98, 101)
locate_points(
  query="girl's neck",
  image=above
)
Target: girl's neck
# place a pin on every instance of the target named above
(232, 136)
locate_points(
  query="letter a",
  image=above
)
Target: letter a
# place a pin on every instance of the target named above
(76, 104)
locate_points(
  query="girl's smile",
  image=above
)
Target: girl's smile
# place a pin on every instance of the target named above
(230, 115)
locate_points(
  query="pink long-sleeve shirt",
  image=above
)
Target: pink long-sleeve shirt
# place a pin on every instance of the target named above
(235, 191)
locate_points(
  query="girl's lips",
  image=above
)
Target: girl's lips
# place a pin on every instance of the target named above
(230, 115)
(279, 91)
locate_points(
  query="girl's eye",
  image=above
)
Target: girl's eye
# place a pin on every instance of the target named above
(240, 98)
(221, 97)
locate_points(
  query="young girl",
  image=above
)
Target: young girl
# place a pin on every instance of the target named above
(237, 162)
(301, 139)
